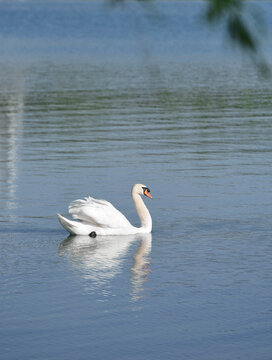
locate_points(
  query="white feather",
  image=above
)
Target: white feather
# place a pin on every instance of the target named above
(99, 213)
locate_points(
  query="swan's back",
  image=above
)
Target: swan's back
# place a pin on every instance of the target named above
(99, 213)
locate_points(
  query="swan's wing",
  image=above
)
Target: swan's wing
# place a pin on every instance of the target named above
(100, 213)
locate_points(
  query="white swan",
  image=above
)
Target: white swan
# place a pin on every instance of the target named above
(100, 217)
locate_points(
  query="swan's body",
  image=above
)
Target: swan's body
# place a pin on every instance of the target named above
(102, 218)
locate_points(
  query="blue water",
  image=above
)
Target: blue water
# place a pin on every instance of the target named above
(98, 31)
(93, 99)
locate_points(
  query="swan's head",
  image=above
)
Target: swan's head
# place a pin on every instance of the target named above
(141, 189)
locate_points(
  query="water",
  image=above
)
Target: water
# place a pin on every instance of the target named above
(88, 108)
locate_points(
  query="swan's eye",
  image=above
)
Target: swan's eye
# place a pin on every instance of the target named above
(146, 192)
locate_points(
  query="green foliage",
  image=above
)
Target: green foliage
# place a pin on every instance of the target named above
(234, 16)
(238, 32)
(232, 13)
(218, 8)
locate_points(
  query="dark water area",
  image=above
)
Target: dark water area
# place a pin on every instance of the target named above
(96, 98)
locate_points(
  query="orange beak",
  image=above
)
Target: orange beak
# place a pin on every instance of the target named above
(147, 194)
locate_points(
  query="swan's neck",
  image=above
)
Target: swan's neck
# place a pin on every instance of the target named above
(144, 215)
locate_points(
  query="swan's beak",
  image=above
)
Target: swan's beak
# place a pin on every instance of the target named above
(147, 194)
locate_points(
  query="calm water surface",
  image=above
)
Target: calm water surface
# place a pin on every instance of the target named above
(90, 106)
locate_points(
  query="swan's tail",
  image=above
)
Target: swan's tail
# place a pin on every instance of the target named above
(75, 227)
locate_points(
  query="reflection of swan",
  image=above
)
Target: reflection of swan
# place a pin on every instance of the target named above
(100, 261)
(140, 266)
(100, 217)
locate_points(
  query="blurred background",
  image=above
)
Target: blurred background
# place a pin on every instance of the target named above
(96, 96)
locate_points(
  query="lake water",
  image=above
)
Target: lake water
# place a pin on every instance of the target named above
(92, 100)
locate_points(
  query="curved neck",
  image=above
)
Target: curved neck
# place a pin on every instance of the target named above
(144, 215)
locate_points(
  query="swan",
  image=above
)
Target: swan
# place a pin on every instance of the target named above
(100, 217)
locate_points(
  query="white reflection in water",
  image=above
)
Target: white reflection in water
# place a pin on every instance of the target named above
(10, 133)
(99, 260)
(140, 268)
